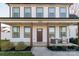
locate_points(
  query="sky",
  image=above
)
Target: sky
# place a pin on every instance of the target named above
(4, 10)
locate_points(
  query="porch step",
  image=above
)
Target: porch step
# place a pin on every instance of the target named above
(40, 44)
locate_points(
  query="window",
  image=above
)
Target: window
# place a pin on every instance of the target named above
(51, 32)
(16, 32)
(63, 12)
(51, 12)
(27, 12)
(16, 12)
(63, 31)
(39, 12)
(27, 32)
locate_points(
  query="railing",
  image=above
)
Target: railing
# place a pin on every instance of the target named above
(55, 41)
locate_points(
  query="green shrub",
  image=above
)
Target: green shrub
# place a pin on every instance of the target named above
(6, 45)
(52, 48)
(73, 40)
(20, 46)
(58, 48)
(61, 48)
(72, 47)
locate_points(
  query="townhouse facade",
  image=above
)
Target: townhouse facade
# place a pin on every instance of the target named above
(40, 23)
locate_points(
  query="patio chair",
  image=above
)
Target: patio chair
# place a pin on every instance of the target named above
(53, 40)
(64, 40)
(59, 40)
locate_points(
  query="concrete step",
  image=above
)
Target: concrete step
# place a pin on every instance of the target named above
(39, 44)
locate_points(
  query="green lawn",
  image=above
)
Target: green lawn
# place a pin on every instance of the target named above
(17, 53)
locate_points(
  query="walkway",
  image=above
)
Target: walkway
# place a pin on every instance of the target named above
(43, 51)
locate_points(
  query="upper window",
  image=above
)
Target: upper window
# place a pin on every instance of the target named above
(15, 31)
(63, 12)
(51, 12)
(27, 32)
(27, 12)
(16, 12)
(39, 12)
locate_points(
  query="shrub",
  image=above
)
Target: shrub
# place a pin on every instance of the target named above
(77, 49)
(57, 48)
(6, 45)
(20, 46)
(61, 48)
(52, 48)
(73, 40)
(72, 47)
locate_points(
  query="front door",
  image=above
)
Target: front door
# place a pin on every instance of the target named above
(39, 35)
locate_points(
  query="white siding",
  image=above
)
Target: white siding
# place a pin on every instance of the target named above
(21, 11)
(33, 10)
(45, 11)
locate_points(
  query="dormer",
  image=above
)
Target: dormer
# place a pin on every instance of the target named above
(39, 10)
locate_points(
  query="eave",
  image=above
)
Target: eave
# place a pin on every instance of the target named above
(40, 3)
(39, 20)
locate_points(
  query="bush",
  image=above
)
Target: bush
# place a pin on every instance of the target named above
(73, 40)
(53, 48)
(57, 48)
(6, 45)
(61, 48)
(20, 46)
(72, 47)
(77, 49)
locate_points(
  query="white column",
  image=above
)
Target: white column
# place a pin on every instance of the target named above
(57, 33)
(21, 32)
(68, 31)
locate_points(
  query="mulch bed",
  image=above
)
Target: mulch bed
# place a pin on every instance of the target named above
(13, 49)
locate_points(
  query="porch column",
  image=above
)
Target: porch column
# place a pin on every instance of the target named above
(78, 35)
(31, 43)
(47, 35)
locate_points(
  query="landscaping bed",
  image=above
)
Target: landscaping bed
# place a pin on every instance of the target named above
(6, 45)
(63, 48)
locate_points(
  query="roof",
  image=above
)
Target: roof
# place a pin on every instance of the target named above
(40, 3)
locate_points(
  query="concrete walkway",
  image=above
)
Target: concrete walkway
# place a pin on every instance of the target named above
(43, 51)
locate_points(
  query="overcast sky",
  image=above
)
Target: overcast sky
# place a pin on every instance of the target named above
(4, 10)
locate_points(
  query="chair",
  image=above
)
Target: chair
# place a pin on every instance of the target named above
(64, 40)
(53, 40)
(59, 40)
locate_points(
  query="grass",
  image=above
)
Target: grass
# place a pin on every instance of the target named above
(12, 53)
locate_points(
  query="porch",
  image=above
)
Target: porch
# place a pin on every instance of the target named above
(43, 27)
(43, 44)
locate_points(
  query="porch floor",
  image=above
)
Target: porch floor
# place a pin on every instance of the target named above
(60, 44)
(43, 44)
